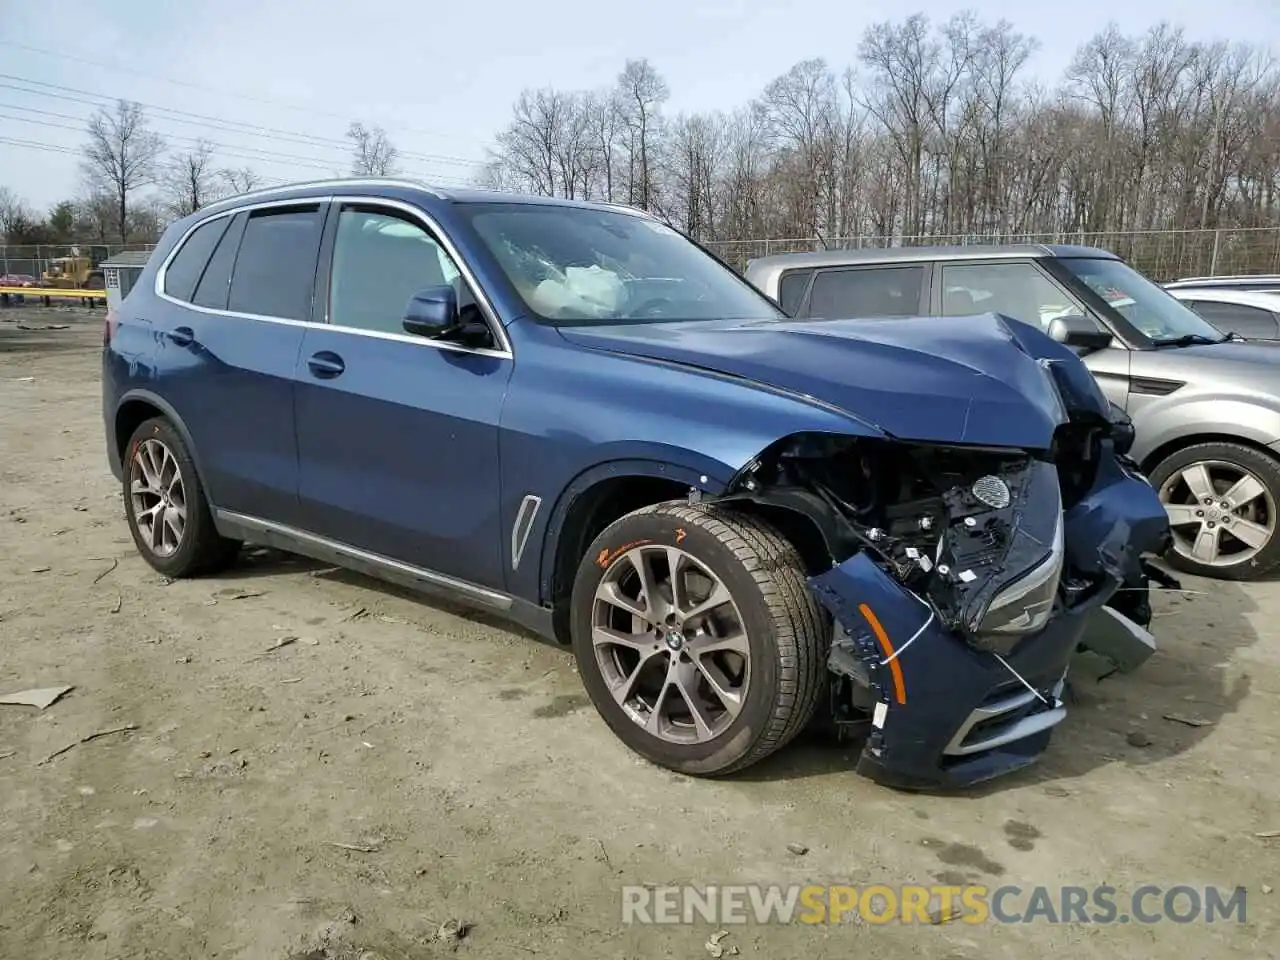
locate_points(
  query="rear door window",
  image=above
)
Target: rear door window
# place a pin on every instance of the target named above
(1016, 290)
(1249, 322)
(183, 271)
(275, 269)
(868, 292)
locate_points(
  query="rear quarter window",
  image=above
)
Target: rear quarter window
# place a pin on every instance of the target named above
(184, 270)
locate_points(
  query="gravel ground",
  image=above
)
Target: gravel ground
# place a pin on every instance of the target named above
(401, 766)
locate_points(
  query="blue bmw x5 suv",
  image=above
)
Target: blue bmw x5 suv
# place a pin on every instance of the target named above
(569, 413)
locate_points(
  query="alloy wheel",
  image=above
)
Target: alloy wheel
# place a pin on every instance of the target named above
(158, 497)
(1221, 513)
(671, 645)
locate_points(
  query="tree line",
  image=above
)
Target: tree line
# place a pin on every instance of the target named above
(935, 129)
(133, 184)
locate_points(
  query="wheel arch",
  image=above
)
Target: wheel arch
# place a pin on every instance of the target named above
(1156, 456)
(136, 407)
(595, 498)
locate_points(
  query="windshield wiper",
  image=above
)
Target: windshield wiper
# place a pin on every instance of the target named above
(1187, 340)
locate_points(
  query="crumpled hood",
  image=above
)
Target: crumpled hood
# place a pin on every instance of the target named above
(974, 380)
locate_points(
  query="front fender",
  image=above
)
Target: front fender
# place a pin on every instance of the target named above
(1165, 420)
(686, 474)
(574, 416)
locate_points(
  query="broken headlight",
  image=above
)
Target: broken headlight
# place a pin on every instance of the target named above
(1026, 605)
(1000, 567)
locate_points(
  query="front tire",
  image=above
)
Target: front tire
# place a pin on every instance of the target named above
(165, 505)
(697, 638)
(1222, 503)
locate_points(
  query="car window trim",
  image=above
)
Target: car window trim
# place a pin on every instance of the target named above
(324, 202)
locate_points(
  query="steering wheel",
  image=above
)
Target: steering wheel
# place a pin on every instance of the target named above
(642, 311)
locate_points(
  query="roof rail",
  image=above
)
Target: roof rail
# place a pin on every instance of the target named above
(1232, 278)
(334, 182)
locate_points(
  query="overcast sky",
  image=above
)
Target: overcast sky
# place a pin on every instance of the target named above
(441, 77)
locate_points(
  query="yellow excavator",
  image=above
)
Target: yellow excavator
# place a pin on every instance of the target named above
(74, 273)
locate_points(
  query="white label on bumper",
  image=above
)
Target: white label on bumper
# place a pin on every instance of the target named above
(877, 716)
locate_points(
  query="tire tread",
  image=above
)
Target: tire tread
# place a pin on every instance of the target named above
(798, 621)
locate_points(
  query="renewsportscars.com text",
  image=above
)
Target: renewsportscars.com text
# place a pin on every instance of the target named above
(830, 904)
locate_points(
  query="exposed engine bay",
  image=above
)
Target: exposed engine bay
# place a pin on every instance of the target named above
(993, 564)
(948, 522)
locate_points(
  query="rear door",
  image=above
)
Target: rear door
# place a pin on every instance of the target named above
(242, 286)
(397, 433)
(1020, 289)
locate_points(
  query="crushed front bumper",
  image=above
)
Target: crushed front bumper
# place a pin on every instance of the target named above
(945, 714)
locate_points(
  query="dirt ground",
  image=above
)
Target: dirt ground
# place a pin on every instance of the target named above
(469, 779)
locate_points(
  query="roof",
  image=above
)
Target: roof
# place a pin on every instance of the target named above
(320, 188)
(1258, 281)
(127, 258)
(1266, 299)
(765, 273)
(829, 258)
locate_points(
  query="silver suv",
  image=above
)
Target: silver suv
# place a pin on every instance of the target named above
(1205, 405)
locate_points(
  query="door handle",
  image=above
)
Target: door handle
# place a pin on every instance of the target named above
(182, 336)
(326, 365)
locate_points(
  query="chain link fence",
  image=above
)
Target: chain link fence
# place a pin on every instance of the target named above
(1163, 255)
(33, 261)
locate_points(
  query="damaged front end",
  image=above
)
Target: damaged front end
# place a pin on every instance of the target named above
(963, 580)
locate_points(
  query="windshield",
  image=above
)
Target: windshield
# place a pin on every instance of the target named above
(1149, 307)
(577, 265)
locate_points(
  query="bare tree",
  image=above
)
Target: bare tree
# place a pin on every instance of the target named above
(240, 181)
(373, 154)
(14, 215)
(121, 157)
(190, 181)
(937, 131)
(641, 93)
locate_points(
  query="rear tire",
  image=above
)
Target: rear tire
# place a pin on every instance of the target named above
(165, 505)
(1195, 483)
(755, 663)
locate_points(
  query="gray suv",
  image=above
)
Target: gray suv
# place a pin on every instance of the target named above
(1205, 406)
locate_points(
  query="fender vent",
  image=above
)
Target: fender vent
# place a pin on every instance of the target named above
(1154, 386)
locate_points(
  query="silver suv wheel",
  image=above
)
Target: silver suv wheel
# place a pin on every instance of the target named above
(1221, 513)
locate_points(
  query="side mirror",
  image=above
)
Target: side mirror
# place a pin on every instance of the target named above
(431, 312)
(1074, 330)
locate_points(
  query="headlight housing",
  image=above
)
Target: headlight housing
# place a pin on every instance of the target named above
(1001, 566)
(1026, 604)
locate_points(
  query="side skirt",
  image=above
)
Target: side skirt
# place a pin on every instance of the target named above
(240, 526)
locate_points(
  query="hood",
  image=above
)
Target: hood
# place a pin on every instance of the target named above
(974, 380)
(1252, 363)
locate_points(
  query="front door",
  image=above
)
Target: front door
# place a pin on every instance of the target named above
(1019, 289)
(397, 433)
